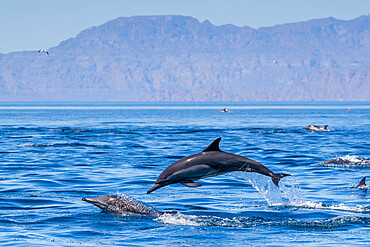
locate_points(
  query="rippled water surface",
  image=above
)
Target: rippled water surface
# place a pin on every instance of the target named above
(54, 154)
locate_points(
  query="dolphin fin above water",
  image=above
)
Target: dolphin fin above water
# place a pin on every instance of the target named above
(209, 163)
(362, 183)
(214, 146)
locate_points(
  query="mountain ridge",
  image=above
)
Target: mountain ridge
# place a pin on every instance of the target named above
(178, 58)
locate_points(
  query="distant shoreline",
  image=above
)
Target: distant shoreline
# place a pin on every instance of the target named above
(120, 105)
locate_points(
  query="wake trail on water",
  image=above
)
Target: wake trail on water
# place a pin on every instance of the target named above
(247, 222)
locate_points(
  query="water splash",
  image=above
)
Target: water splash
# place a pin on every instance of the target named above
(288, 194)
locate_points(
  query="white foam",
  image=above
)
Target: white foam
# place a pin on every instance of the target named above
(180, 219)
(340, 207)
(352, 158)
(35, 145)
(194, 220)
(362, 187)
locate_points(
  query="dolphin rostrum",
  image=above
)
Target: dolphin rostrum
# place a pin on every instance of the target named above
(124, 204)
(209, 163)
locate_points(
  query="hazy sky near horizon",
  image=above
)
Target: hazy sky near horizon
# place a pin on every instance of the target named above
(36, 24)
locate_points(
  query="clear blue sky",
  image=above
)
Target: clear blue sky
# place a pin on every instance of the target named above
(35, 24)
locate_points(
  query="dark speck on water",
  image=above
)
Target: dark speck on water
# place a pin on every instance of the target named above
(54, 154)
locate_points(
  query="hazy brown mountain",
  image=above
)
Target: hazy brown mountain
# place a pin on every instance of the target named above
(177, 58)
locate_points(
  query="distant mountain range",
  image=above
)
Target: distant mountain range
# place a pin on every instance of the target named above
(177, 58)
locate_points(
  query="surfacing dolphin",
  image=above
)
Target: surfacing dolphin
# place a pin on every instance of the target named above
(124, 205)
(316, 128)
(349, 159)
(209, 163)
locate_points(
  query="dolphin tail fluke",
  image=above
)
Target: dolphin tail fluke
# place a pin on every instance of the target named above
(155, 187)
(277, 176)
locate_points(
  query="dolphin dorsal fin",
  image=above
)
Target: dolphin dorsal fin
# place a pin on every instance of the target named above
(213, 146)
(325, 127)
(362, 182)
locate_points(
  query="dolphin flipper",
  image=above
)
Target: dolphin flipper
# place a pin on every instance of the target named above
(362, 182)
(277, 176)
(190, 183)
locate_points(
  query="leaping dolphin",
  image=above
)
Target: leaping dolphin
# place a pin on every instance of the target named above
(124, 205)
(209, 163)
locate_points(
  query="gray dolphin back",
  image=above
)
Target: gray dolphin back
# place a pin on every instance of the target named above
(122, 204)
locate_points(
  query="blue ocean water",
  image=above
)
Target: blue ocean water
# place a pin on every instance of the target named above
(54, 154)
